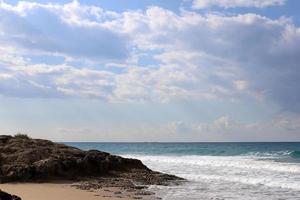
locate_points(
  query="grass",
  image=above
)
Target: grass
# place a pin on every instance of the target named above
(22, 136)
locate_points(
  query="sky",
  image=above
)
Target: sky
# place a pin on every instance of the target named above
(151, 70)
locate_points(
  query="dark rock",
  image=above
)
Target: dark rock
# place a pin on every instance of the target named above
(4, 138)
(144, 193)
(6, 196)
(23, 159)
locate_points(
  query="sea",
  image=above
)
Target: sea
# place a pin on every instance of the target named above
(218, 171)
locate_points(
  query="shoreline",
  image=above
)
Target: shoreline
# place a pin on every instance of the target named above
(67, 191)
(29, 166)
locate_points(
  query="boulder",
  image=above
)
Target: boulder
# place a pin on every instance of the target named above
(25, 159)
(6, 196)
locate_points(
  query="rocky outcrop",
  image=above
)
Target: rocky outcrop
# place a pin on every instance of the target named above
(6, 196)
(24, 159)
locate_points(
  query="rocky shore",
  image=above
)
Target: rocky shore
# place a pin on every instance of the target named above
(23, 159)
(6, 196)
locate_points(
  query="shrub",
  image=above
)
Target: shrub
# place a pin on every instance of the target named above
(22, 136)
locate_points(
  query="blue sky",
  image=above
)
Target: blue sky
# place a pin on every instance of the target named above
(180, 70)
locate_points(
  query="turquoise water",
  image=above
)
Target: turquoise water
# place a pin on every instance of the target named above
(250, 171)
(277, 150)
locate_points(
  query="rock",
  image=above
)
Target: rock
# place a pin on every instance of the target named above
(130, 181)
(144, 193)
(6, 196)
(24, 159)
(4, 138)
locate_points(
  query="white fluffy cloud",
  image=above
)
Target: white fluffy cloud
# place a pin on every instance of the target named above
(190, 55)
(221, 55)
(200, 4)
(55, 29)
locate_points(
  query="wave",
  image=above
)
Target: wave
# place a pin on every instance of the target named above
(295, 154)
(268, 153)
(276, 154)
(248, 171)
(234, 162)
(235, 169)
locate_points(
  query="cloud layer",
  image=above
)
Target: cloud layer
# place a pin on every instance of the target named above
(151, 55)
(279, 128)
(201, 4)
(60, 30)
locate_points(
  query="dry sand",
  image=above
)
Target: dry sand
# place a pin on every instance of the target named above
(57, 191)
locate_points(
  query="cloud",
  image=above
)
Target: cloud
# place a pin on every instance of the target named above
(223, 56)
(201, 4)
(55, 29)
(191, 55)
(280, 128)
(78, 130)
(55, 81)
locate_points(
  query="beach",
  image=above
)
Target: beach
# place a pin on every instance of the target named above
(40, 169)
(149, 99)
(65, 191)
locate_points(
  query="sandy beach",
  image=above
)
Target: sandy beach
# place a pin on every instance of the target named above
(63, 191)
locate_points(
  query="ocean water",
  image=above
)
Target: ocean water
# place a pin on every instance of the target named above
(217, 171)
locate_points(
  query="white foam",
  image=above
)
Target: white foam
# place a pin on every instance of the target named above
(238, 162)
(233, 173)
